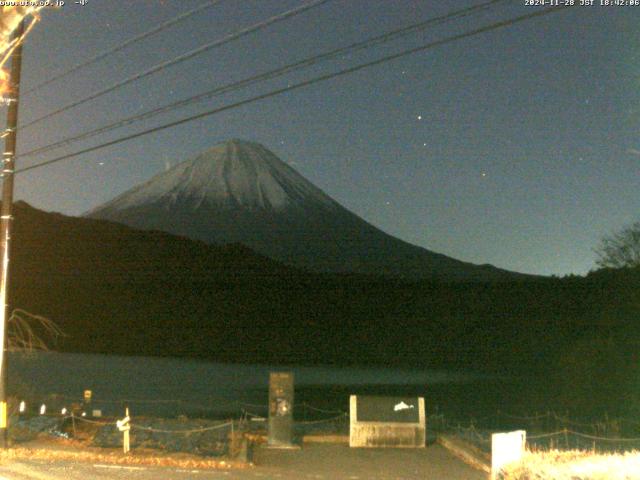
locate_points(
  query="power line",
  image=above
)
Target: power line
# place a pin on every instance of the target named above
(186, 56)
(404, 53)
(371, 42)
(125, 44)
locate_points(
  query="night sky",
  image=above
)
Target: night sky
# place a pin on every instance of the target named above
(518, 147)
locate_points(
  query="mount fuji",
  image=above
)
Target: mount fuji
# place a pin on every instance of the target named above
(240, 192)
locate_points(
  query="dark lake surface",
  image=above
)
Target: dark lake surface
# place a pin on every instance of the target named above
(170, 387)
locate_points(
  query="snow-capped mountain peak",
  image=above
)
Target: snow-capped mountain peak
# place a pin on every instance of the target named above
(240, 192)
(234, 173)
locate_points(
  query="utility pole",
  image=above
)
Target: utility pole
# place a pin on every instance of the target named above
(6, 219)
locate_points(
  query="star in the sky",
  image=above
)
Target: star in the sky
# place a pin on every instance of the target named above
(634, 151)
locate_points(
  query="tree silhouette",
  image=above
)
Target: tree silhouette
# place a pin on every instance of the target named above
(620, 249)
(28, 332)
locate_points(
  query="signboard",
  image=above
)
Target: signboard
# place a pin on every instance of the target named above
(387, 421)
(506, 448)
(280, 409)
(388, 409)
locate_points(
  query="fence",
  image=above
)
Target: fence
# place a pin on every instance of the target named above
(548, 430)
(204, 435)
(213, 408)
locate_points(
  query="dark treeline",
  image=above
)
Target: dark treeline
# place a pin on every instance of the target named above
(120, 291)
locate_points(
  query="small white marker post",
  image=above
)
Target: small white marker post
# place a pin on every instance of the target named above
(506, 448)
(124, 427)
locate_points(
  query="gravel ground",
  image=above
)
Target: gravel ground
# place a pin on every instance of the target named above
(331, 462)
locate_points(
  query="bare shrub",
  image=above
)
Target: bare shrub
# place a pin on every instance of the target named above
(27, 332)
(574, 465)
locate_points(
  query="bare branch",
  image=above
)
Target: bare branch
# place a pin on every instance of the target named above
(27, 332)
(621, 249)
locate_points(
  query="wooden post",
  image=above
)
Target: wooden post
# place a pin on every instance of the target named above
(6, 220)
(73, 423)
(124, 426)
(233, 448)
(125, 443)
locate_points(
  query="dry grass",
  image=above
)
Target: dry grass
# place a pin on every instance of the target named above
(74, 451)
(575, 465)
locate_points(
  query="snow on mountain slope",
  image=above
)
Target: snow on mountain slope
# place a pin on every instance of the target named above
(240, 192)
(231, 174)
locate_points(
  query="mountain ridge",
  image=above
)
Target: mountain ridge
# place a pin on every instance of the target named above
(116, 290)
(241, 180)
(240, 192)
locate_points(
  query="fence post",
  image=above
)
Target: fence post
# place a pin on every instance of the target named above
(126, 433)
(124, 426)
(234, 446)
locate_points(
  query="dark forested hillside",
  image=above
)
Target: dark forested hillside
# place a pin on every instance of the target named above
(117, 290)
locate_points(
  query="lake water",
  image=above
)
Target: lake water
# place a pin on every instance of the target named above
(171, 387)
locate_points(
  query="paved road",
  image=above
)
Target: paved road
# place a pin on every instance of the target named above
(315, 462)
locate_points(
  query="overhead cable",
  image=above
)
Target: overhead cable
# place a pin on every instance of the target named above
(185, 56)
(273, 93)
(123, 45)
(271, 74)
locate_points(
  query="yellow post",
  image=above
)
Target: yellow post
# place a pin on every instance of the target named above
(6, 220)
(124, 427)
(125, 443)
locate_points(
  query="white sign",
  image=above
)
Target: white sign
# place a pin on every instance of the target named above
(402, 406)
(123, 425)
(506, 448)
